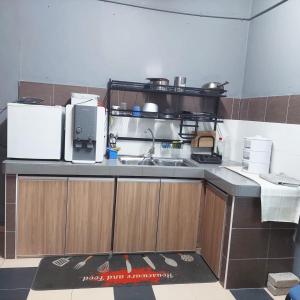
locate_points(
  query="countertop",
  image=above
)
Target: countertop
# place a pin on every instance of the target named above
(228, 181)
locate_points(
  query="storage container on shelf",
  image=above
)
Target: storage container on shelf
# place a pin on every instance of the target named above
(255, 168)
(257, 154)
(258, 143)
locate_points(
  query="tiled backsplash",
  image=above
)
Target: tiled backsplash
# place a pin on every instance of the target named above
(275, 109)
(54, 94)
(57, 94)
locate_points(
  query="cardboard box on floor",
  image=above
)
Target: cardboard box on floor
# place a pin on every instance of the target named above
(280, 283)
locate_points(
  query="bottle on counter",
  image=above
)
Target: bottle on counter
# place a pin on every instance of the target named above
(220, 146)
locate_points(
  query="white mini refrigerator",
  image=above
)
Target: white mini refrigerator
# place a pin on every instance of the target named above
(34, 131)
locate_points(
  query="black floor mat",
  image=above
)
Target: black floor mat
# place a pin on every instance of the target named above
(251, 294)
(50, 276)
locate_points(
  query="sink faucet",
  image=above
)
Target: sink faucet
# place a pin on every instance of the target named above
(151, 151)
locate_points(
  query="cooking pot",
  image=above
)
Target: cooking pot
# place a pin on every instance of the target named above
(158, 83)
(214, 85)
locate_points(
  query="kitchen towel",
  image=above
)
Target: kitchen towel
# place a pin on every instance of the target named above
(278, 203)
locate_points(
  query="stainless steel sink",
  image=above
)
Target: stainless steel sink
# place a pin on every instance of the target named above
(173, 162)
(135, 160)
(168, 162)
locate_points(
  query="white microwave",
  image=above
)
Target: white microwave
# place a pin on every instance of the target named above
(34, 131)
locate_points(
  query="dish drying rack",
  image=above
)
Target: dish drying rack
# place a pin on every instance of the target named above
(187, 120)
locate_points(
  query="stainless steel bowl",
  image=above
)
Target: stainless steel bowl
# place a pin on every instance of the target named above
(150, 107)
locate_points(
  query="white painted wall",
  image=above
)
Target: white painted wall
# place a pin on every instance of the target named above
(85, 42)
(9, 52)
(273, 65)
(162, 130)
(286, 144)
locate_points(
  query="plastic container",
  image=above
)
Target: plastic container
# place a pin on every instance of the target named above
(257, 156)
(255, 168)
(112, 153)
(258, 143)
(136, 111)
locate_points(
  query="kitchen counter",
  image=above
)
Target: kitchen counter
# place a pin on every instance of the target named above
(230, 182)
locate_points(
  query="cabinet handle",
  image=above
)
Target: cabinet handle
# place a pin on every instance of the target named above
(181, 181)
(138, 180)
(92, 179)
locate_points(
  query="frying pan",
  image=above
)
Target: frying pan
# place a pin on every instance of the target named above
(214, 85)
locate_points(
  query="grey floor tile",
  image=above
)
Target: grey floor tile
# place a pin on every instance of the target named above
(20, 278)
(251, 294)
(20, 294)
(134, 293)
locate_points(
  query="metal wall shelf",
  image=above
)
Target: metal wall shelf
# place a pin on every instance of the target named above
(200, 117)
(191, 120)
(165, 89)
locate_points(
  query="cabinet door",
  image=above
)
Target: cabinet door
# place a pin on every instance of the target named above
(89, 215)
(178, 215)
(136, 215)
(41, 216)
(213, 228)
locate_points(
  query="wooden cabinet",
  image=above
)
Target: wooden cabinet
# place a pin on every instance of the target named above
(212, 227)
(89, 215)
(178, 215)
(58, 216)
(41, 216)
(136, 215)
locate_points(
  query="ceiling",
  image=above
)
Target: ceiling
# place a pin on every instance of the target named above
(243, 9)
